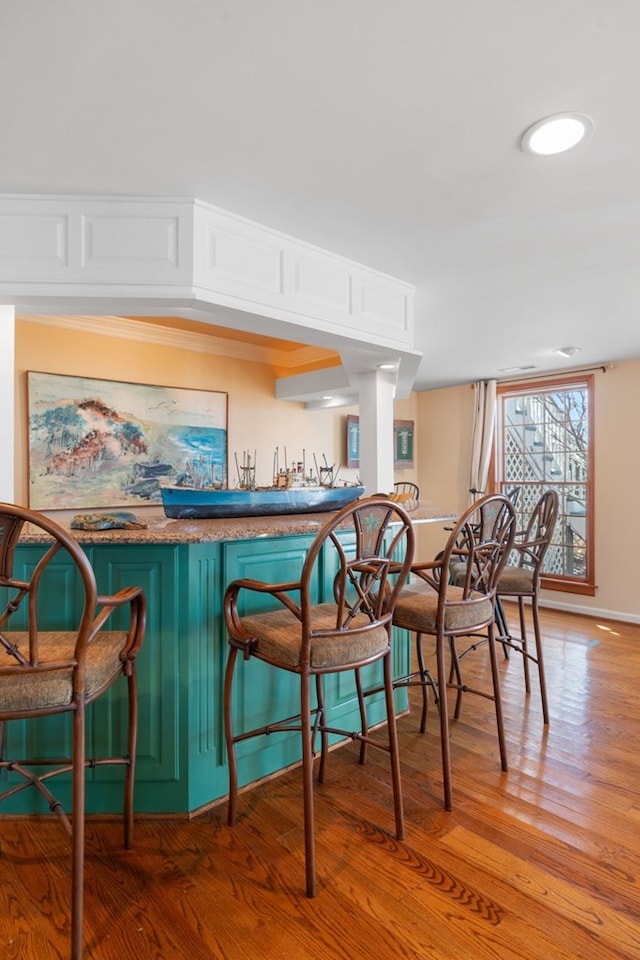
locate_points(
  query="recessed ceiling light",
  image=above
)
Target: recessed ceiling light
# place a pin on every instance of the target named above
(567, 351)
(557, 133)
(386, 366)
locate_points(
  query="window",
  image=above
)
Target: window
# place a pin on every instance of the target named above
(544, 439)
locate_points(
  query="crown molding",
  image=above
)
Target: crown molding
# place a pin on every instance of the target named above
(128, 329)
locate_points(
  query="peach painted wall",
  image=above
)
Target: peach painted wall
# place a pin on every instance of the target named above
(617, 522)
(445, 423)
(256, 420)
(445, 419)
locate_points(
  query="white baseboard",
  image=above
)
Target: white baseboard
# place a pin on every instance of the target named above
(591, 611)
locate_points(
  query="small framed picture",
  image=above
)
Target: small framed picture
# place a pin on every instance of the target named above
(353, 441)
(403, 443)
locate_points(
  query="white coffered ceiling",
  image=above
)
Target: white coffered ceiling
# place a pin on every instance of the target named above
(384, 131)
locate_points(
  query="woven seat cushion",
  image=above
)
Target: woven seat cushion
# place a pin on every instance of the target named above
(512, 579)
(417, 609)
(278, 634)
(516, 580)
(25, 689)
(457, 572)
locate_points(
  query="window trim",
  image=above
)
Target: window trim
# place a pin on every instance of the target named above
(584, 586)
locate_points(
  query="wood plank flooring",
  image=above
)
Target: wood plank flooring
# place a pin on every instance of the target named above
(540, 863)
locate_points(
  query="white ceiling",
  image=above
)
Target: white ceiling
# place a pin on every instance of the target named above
(384, 130)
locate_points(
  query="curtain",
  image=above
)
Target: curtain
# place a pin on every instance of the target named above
(484, 421)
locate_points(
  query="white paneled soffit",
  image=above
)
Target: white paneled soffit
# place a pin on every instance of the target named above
(127, 256)
(178, 250)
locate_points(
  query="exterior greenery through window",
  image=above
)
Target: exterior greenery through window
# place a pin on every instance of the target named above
(545, 439)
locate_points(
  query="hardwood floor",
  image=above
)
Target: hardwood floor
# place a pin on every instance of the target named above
(540, 863)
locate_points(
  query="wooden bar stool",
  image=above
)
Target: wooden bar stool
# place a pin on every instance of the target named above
(364, 554)
(45, 670)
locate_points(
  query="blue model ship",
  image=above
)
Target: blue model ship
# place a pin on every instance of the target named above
(292, 491)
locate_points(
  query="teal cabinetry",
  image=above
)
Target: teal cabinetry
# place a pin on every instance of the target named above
(181, 749)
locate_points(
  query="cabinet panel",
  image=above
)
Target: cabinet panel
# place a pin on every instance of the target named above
(156, 571)
(202, 648)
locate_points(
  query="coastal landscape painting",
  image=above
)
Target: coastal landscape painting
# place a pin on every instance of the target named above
(105, 443)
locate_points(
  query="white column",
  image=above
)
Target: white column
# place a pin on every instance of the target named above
(376, 390)
(7, 402)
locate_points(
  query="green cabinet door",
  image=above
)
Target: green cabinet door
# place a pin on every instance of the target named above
(160, 771)
(202, 649)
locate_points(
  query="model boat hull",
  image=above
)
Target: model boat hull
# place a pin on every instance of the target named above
(187, 503)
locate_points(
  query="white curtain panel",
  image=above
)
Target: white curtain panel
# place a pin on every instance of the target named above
(483, 429)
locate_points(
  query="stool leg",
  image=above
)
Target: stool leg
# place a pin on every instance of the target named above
(503, 627)
(497, 696)
(424, 683)
(307, 786)
(77, 833)
(132, 739)
(322, 723)
(455, 671)
(444, 721)
(523, 641)
(394, 751)
(540, 658)
(364, 720)
(228, 731)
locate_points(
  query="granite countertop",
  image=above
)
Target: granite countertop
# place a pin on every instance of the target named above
(161, 530)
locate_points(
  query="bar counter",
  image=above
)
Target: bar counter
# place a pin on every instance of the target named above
(159, 529)
(184, 567)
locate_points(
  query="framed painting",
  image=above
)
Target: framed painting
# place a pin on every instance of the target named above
(105, 443)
